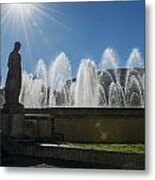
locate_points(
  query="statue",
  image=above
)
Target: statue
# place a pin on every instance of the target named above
(13, 80)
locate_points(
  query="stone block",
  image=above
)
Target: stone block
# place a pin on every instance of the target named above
(16, 129)
(12, 125)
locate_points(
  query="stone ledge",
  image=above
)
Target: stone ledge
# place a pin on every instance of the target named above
(103, 158)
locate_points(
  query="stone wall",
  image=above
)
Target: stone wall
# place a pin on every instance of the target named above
(106, 129)
(96, 125)
(107, 125)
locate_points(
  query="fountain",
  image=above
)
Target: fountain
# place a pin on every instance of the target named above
(52, 101)
(108, 86)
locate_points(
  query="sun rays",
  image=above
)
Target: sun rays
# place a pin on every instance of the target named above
(19, 15)
(27, 23)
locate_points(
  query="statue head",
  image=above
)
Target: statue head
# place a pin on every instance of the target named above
(17, 46)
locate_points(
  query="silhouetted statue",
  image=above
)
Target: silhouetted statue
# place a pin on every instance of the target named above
(13, 80)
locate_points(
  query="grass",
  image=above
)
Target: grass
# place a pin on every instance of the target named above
(114, 147)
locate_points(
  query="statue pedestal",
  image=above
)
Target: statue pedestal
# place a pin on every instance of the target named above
(13, 108)
(12, 119)
(12, 125)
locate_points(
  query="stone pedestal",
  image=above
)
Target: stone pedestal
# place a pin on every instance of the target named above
(5, 124)
(12, 125)
(12, 120)
(17, 125)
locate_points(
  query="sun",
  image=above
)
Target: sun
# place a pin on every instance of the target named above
(18, 14)
(19, 6)
(21, 9)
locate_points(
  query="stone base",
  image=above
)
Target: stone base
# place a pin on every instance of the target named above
(12, 108)
(12, 125)
(17, 125)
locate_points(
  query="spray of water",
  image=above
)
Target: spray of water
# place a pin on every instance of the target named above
(86, 90)
(134, 82)
(134, 59)
(109, 60)
(116, 95)
(59, 73)
(41, 74)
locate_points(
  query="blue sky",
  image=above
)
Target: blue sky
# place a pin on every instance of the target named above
(81, 30)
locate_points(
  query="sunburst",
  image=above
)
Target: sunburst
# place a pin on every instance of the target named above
(26, 22)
